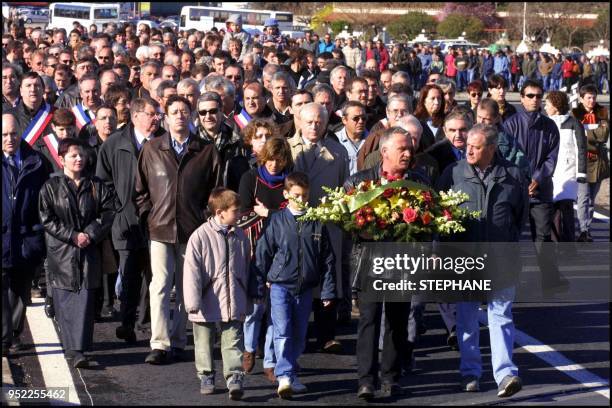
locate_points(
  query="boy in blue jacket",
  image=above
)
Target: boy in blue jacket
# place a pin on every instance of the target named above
(293, 257)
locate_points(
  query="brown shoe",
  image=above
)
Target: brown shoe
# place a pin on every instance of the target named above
(332, 346)
(248, 361)
(269, 373)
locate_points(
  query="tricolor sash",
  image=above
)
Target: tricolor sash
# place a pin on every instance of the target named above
(83, 116)
(242, 119)
(38, 124)
(52, 144)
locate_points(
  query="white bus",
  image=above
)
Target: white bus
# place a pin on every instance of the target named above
(205, 18)
(62, 15)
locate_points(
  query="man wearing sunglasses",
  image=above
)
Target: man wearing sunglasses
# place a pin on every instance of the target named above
(538, 137)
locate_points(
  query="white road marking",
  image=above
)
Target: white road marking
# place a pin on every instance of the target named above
(54, 367)
(557, 360)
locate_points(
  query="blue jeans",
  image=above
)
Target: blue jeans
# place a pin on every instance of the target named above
(470, 75)
(290, 319)
(586, 204)
(545, 83)
(501, 332)
(269, 360)
(252, 327)
(461, 80)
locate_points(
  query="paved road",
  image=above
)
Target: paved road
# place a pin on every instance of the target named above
(562, 351)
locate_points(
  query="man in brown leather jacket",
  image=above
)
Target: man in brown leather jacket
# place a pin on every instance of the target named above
(176, 173)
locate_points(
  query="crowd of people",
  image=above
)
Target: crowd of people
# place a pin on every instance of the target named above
(168, 170)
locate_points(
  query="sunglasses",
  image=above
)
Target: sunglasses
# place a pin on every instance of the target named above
(236, 77)
(531, 96)
(473, 95)
(204, 112)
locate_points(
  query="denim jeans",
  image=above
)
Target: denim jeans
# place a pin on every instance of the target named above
(501, 334)
(461, 80)
(545, 82)
(252, 327)
(586, 204)
(290, 319)
(269, 360)
(470, 75)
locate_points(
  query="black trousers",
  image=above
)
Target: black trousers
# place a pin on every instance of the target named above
(16, 285)
(395, 345)
(135, 267)
(563, 228)
(540, 220)
(324, 321)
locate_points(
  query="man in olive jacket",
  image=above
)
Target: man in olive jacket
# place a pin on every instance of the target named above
(176, 173)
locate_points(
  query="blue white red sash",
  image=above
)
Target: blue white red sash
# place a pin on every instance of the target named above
(242, 119)
(38, 124)
(83, 116)
(52, 144)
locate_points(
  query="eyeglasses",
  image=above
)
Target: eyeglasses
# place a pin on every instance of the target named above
(204, 112)
(531, 96)
(357, 119)
(475, 94)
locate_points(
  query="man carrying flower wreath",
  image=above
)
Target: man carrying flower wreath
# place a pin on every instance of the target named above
(398, 155)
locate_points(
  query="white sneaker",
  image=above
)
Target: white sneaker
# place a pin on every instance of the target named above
(297, 387)
(284, 388)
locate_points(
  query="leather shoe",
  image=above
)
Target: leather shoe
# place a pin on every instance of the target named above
(178, 354)
(248, 361)
(365, 391)
(157, 357)
(269, 373)
(49, 308)
(332, 346)
(391, 390)
(127, 334)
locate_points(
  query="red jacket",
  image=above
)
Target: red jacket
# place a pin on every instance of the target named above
(384, 59)
(567, 69)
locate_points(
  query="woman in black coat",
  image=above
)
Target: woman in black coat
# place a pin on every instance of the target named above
(77, 213)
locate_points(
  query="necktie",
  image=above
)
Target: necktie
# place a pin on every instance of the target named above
(14, 171)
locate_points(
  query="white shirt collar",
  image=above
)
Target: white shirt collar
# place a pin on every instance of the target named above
(308, 143)
(140, 137)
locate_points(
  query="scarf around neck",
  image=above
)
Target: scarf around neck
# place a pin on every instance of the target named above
(272, 180)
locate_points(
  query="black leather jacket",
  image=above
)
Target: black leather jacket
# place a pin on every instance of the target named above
(64, 214)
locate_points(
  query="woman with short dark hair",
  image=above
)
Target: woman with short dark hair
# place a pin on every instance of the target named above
(77, 212)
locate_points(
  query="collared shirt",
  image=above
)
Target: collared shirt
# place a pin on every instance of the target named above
(16, 157)
(140, 138)
(351, 147)
(459, 154)
(296, 213)
(433, 129)
(483, 174)
(179, 147)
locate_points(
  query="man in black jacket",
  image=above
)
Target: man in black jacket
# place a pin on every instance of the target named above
(452, 148)
(117, 166)
(24, 171)
(398, 155)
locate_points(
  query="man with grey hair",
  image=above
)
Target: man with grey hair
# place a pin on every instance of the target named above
(148, 72)
(398, 155)
(484, 170)
(266, 75)
(323, 94)
(214, 129)
(397, 107)
(189, 89)
(283, 87)
(227, 92)
(326, 163)
(452, 148)
(338, 78)
(11, 80)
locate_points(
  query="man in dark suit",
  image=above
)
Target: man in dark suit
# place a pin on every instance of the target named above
(452, 148)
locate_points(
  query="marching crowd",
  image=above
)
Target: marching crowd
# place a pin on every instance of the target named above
(169, 169)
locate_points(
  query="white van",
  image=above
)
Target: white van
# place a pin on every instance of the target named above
(62, 15)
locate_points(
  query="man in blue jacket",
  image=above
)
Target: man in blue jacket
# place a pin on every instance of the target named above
(24, 171)
(538, 137)
(326, 44)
